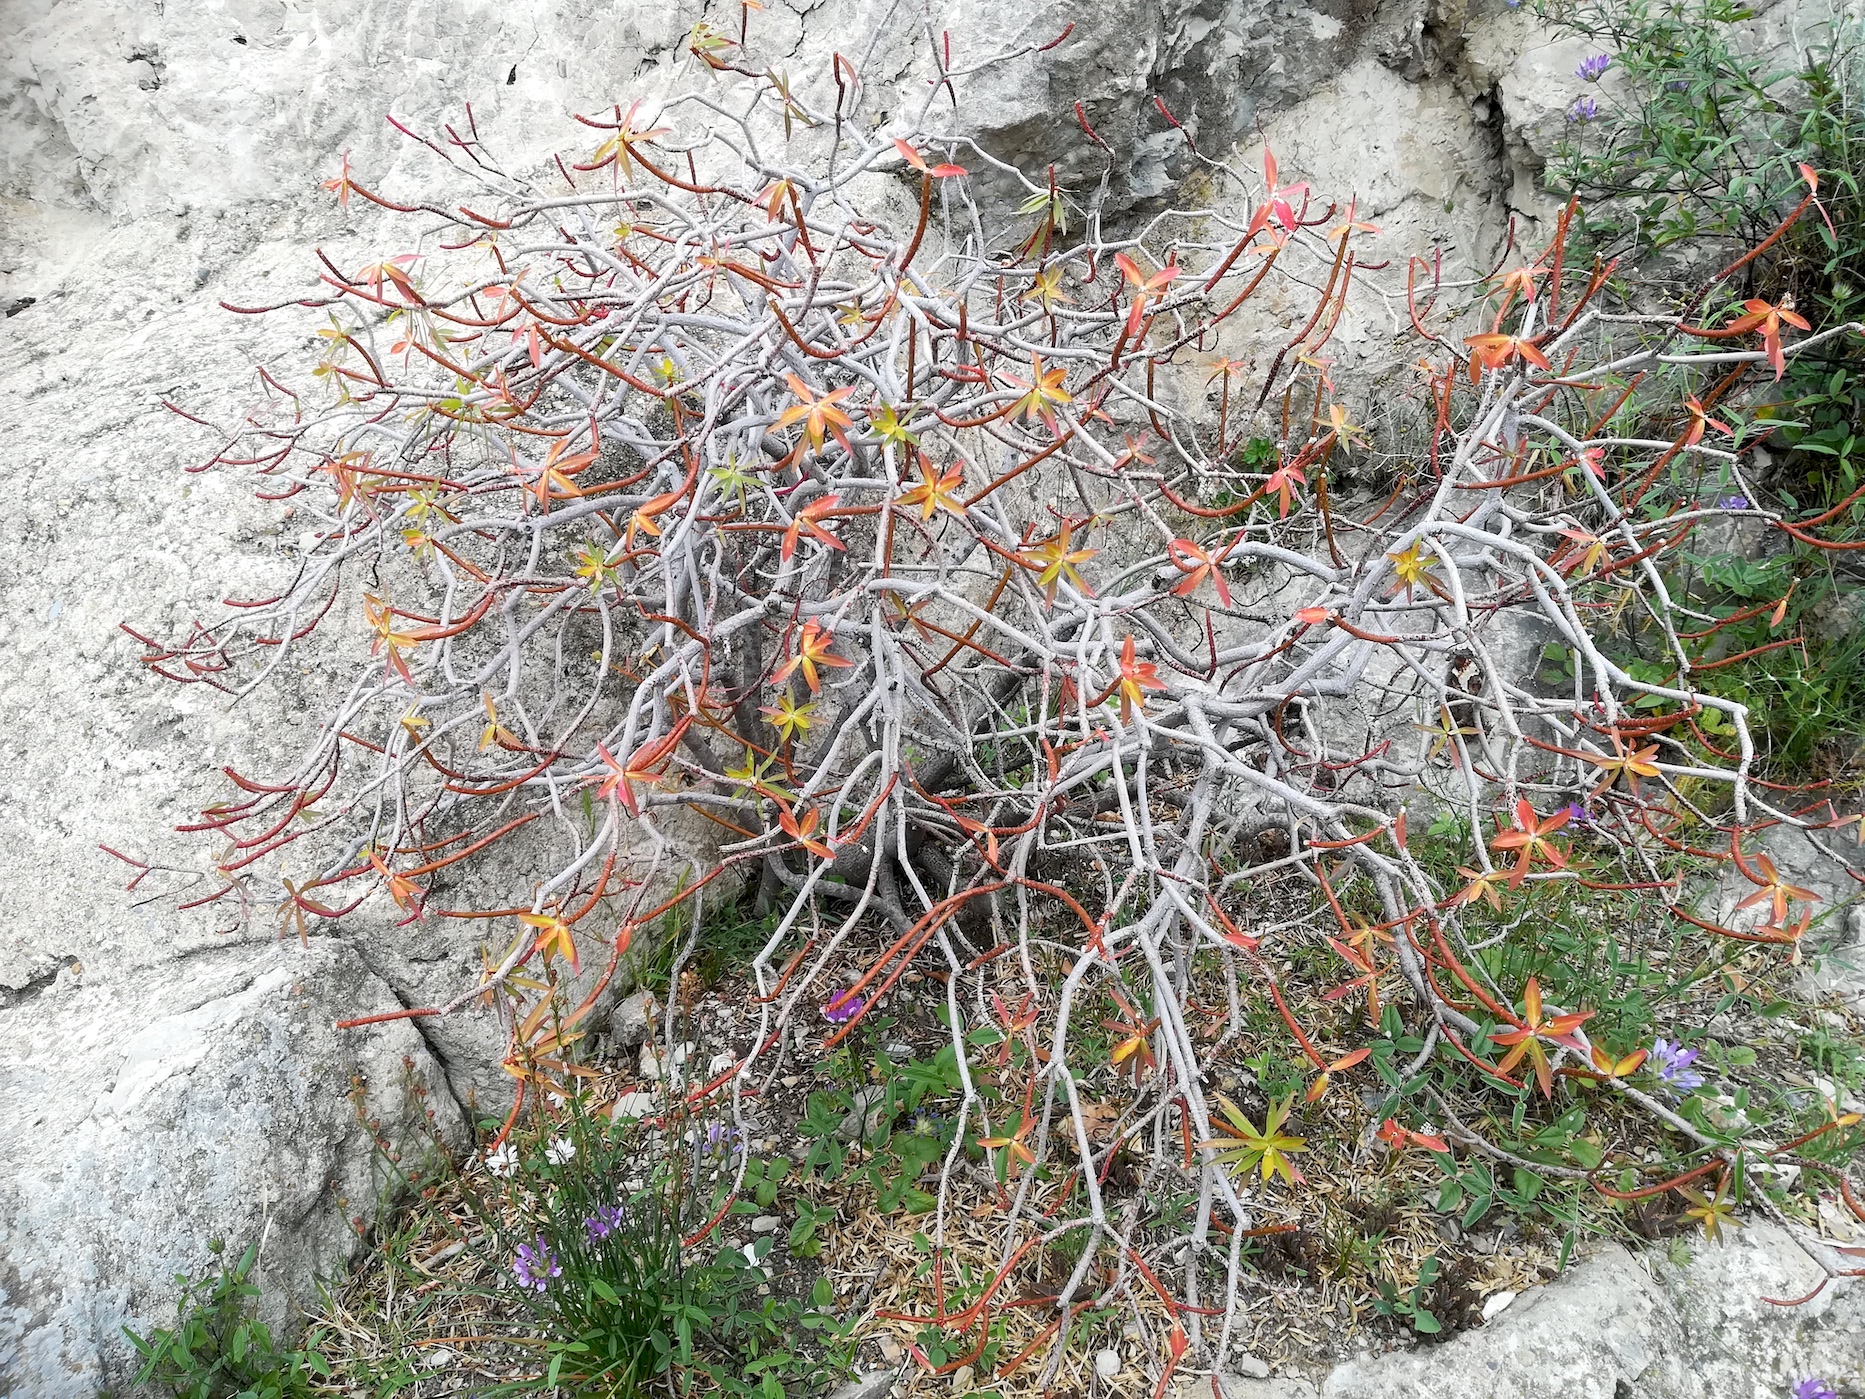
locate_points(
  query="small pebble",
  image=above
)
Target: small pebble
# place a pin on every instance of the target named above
(1250, 1367)
(765, 1224)
(1496, 1304)
(634, 1104)
(1107, 1364)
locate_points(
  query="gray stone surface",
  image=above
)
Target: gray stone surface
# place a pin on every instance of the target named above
(632, 1020)
(1622, 1327)
(875, 1385)
(212, 1104)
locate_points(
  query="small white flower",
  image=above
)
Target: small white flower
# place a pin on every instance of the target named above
(560, 1152)
(503, 1162)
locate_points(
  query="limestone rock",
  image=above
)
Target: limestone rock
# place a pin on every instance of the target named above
(144, 1121)
(1252, 1368)
(1620, 1325)
(875, 1385)
(865, 1117)
(632, 1020)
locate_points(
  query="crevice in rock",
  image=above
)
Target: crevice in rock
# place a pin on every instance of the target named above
(11, 996)
(1419, 39)
(149, 68)
(419, 1022)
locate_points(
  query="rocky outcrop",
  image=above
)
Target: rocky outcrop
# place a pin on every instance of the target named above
(212, 1098)
(1625, 1327)
(139, 111)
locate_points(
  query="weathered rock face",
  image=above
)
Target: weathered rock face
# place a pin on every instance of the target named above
(1624, 1327)
(139, 110)
(164, 1082)
(209, 1097)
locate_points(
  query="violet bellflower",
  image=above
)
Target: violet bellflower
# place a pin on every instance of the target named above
(1586, 109)
(1733, 502)
(536, 1265)
(1672, 1063)
(843, 1007)
(1593, 67)
(1812, 1387)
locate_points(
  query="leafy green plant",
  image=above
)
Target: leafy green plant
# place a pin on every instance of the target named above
(218, 1348)
(1409, 1305)
(1243, 1148)
(908, 1133)
(1711, 145)
(599, 1241)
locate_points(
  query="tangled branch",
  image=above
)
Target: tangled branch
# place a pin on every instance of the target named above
(779, 509)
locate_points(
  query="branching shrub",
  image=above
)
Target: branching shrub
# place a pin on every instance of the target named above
(1020, 599)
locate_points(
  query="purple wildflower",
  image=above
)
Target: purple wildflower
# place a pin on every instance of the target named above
(721, 1140)
(1678, 85)
(604, 1222)
(536, 1265)
(1733, 502)
(1592, 67)
(1513, 4)
(1578, 815)
(1586, 109)
(843, 1007)
(1673, 1063)
(1813, 1387)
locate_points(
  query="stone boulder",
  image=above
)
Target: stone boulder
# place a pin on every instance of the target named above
(1620, 1326)
(147, 1114)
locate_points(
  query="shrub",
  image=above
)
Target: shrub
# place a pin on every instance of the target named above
(763, 467)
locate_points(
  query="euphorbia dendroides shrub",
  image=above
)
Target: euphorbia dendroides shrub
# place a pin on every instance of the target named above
(1009, 606)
